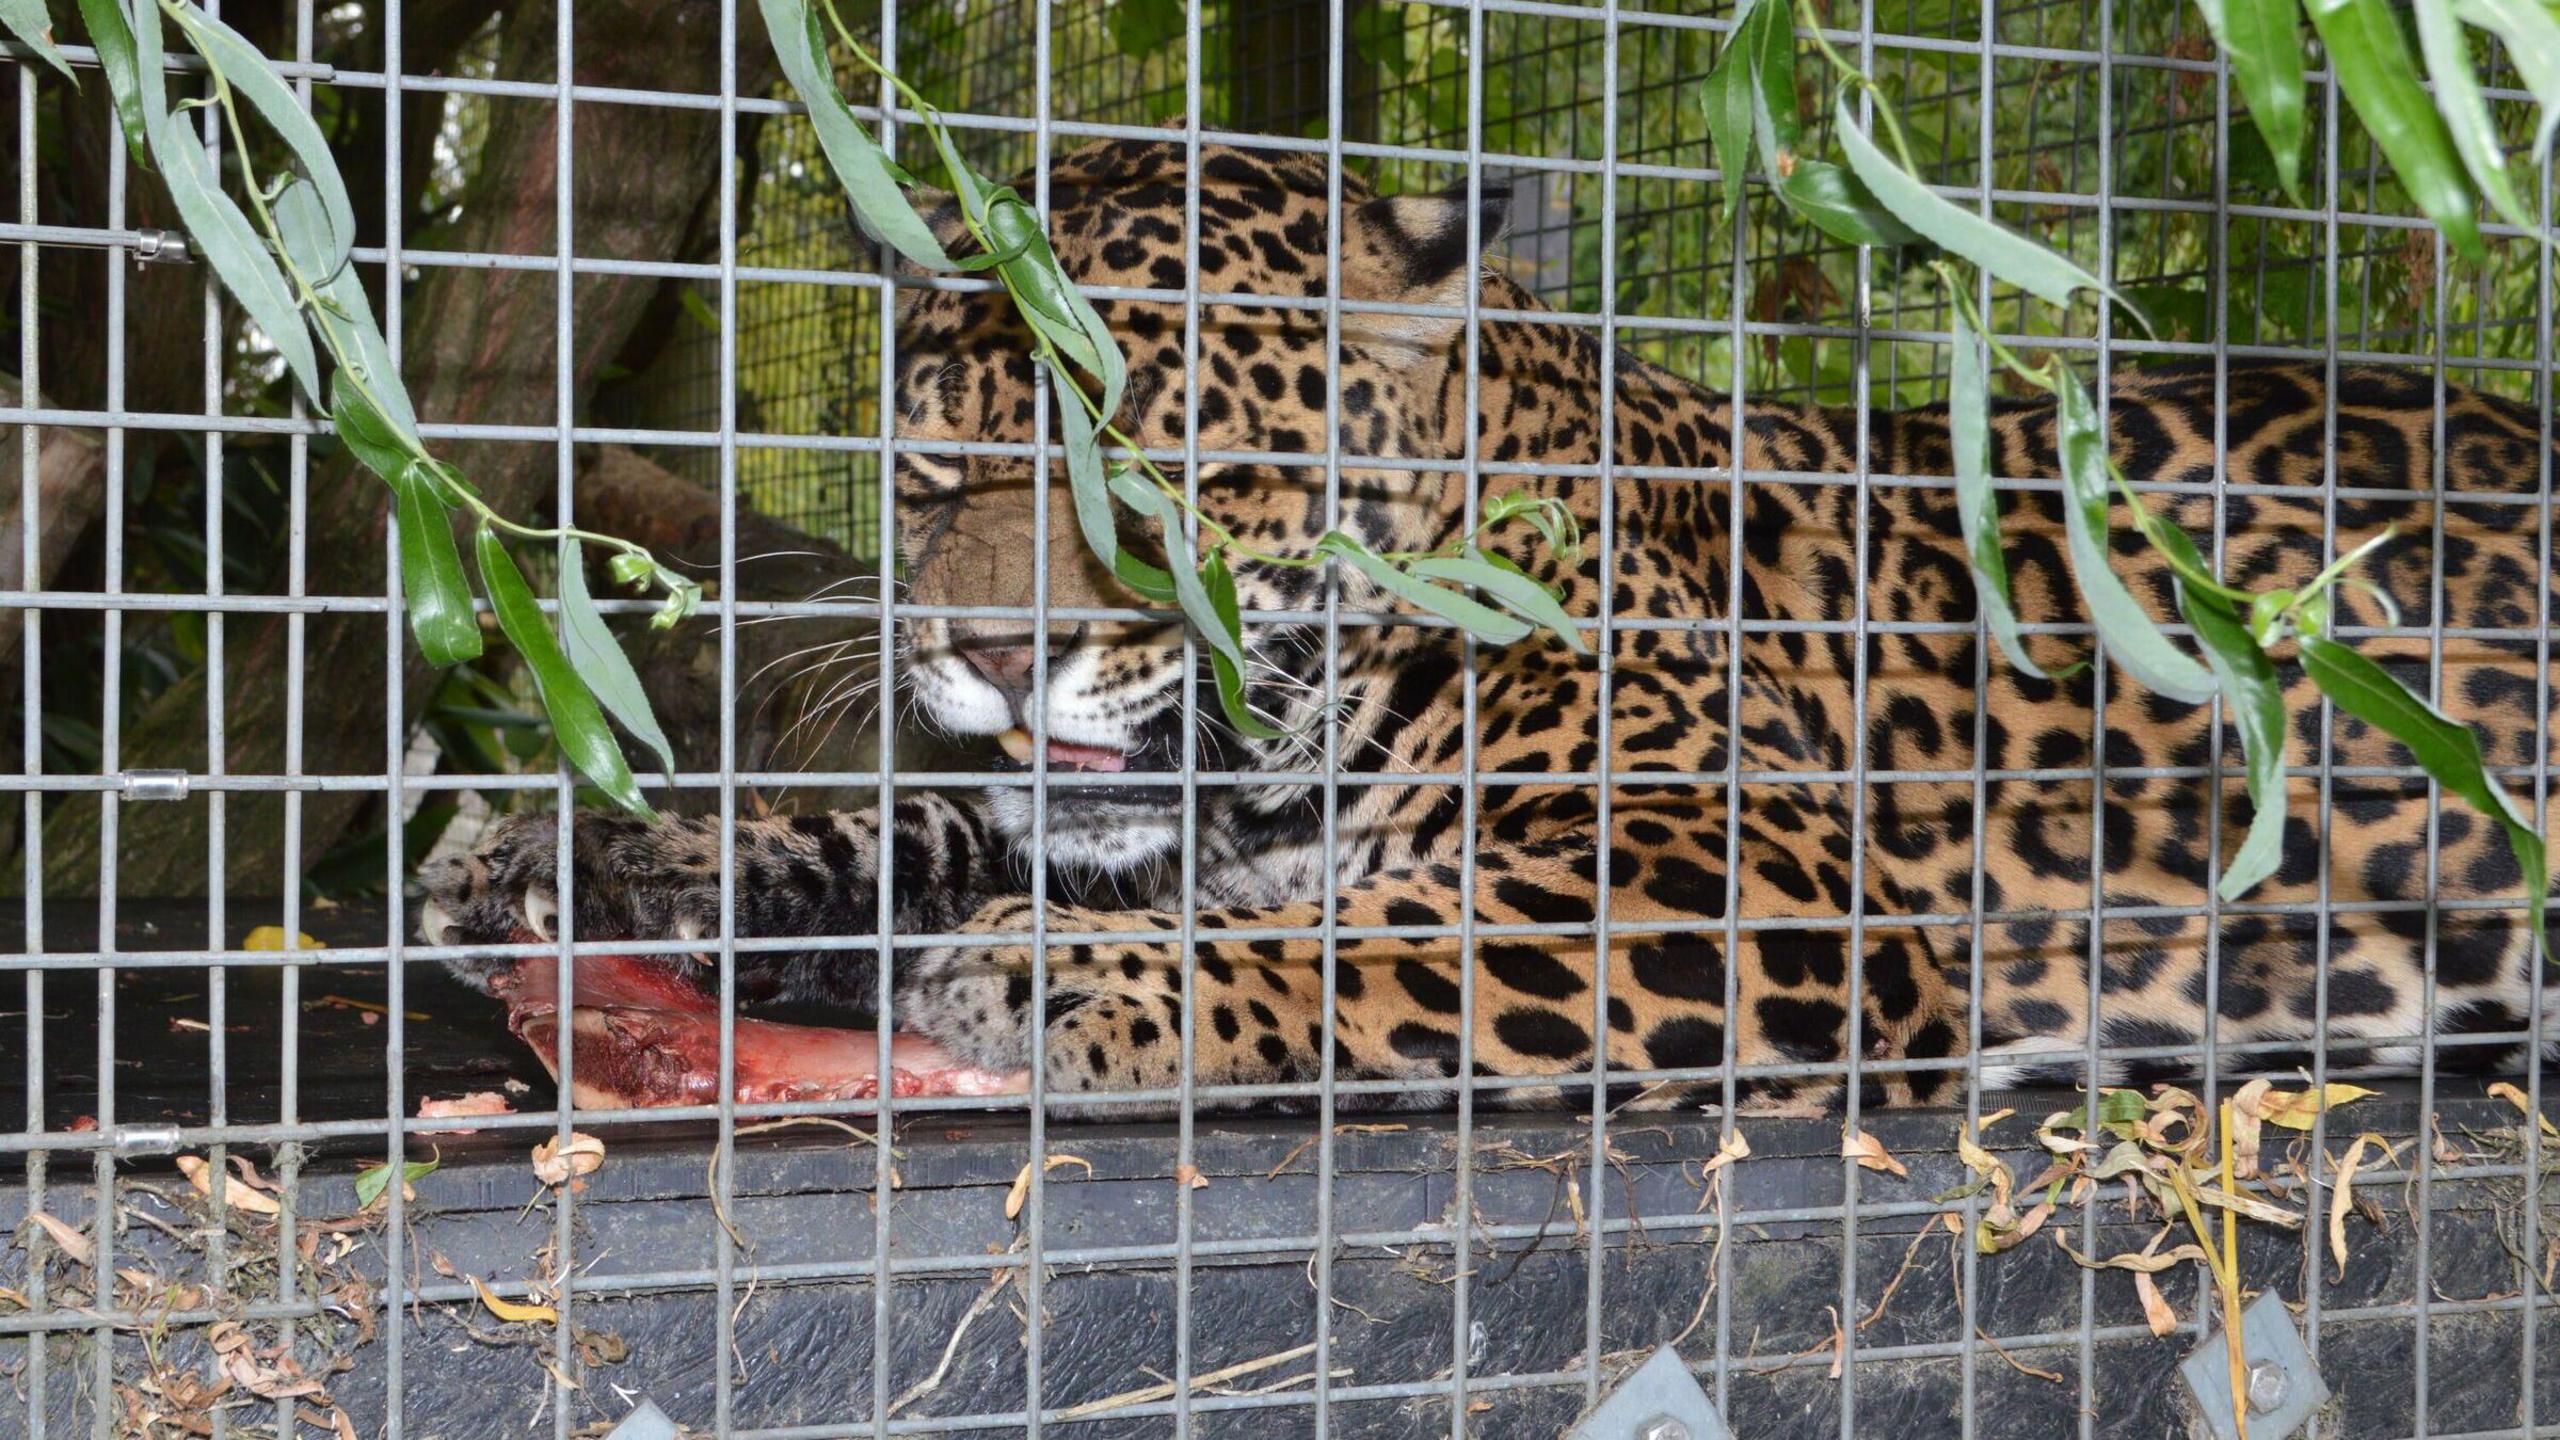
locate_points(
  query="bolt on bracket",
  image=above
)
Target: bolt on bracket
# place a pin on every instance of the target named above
(647, 1422)
(1658, 1400)
(2282, 1389)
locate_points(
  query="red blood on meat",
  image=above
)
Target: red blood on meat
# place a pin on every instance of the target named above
(646, 1035)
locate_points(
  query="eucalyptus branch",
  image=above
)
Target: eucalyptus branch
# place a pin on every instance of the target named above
(286, 259)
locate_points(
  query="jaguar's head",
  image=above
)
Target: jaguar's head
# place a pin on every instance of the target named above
(971, 527)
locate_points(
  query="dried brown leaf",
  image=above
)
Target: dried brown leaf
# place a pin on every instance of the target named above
(1870, 1154)
(554, 1164)
(1020, 1194)
(236, 1192)
(70, 1242)
(2155, 1306)
(2342, 1198)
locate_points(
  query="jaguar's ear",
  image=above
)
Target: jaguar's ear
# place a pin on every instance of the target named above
(1412, 249)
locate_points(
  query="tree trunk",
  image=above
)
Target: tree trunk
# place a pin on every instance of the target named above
(480, 347)
(70, 489)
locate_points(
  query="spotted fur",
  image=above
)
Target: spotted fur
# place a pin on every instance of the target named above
(1850, 900)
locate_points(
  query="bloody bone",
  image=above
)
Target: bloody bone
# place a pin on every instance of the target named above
(647, 1036)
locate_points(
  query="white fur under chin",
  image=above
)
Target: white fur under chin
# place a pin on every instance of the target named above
(1105, 837)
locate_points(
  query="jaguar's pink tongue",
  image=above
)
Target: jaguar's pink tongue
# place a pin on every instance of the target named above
(646, 1036)
(1064, 754)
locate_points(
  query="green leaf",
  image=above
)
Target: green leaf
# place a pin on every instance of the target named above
(216, 226)
(2465, 109)
(1220, 583)
(1725, 96)
(1825, 196)
(250, 78)
(2263, 40)
(599, 660)
(577, 726)
(2444, 747)
(2130, 637)
(348, 328)
(856, 158)
(1518, 592)
(112, 38)
(1224, 630)
(2532, 36)
(430, 564)
(1050, 301)
(1549, 515)
(1977, 504)
(2370, 58)
(1839, 205)
(1770, 51)
(1093, 497)
(374, 1180)
(2007, 254)
(26, 21)
(2254, 699)
(1481, 620)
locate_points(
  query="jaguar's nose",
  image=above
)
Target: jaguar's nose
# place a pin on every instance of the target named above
(1006, 667)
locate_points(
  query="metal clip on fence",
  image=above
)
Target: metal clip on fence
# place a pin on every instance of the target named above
(154, 784)
(161, 247)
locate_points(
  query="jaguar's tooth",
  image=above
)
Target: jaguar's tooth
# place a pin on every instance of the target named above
(1016, 743)
(540, 910)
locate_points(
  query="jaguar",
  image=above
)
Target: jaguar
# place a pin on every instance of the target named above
(1815, 814)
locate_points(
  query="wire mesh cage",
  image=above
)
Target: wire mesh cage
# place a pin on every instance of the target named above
(271, 1172)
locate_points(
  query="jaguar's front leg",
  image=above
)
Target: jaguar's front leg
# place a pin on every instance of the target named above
(648, 1032)
(815, 876)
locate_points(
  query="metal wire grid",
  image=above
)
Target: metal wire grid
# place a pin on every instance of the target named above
(807, 362)
(2336, 222)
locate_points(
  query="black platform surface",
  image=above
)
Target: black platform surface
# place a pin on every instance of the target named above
(645, 1311)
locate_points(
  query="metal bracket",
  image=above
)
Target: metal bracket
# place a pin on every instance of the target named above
(648, 1422)
(1659, 1400)
(2284, 1384)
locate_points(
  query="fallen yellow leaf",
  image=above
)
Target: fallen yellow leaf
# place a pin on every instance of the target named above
(1020, 1194)
(1869, 1152)
(236, 1193)
(2524, 1106)
(69, 1241)
(271, 937)
(2344, 1195)
(510, 1310)
(1734, 1148)
(2294, 1109)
